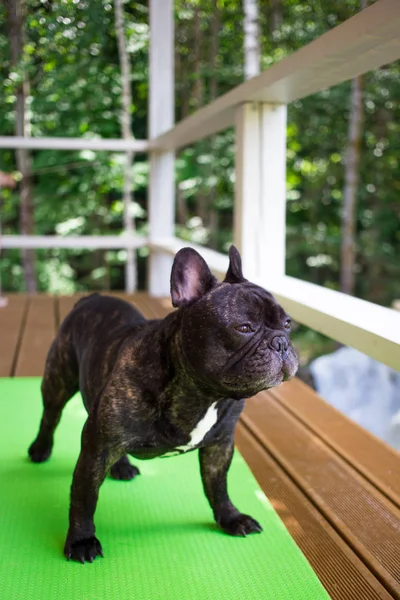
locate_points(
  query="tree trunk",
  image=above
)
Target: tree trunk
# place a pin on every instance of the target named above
(213, 225)
(182, 66)
(182, 213)
(129, 225)
(197, 101)
(375, 272)
(251, 39)
(276, 14)
(16, 11)
(352, 173)
(198, 86)
(214, 47)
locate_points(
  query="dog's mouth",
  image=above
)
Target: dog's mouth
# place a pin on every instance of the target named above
(245, 389)
(268, 378)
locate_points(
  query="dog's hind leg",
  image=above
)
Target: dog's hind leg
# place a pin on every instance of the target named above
(123, 470)
(60, 383)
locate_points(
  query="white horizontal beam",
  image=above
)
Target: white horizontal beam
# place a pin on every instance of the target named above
(363, 43)
(372, 329)
(56, 143)
(72, 241)
(217, 262)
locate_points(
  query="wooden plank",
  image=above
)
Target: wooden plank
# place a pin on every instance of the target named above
(365, 518)
(365, 42)
(152, 308)
(141, 301)
(379, 463)
(38, 335)
(341, 572)
(11, 328)
(138, 299)
(66, 304)
(159, 307)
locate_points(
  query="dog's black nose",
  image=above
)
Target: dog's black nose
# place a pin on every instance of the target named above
(279, 343)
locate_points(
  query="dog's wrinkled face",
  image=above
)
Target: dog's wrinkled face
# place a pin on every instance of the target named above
(234, 335)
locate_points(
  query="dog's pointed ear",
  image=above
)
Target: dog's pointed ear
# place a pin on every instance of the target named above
(234, 273)
(190, 278)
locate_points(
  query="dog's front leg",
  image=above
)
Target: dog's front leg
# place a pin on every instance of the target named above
(214, 464)
(93, 463)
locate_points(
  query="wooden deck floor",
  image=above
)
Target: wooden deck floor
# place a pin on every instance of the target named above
(336, 487)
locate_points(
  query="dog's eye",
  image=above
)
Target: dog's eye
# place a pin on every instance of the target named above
(287, 324)
(243, 328)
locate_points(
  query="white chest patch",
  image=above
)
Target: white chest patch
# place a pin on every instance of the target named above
(199, 432)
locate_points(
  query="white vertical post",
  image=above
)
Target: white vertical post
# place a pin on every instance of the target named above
(161, 118)
(272, 220)
(260, 192)
(247, 187)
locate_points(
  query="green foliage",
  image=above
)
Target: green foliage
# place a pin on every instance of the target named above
(72, 61)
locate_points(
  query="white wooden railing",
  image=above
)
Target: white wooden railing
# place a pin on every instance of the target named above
(257, 109)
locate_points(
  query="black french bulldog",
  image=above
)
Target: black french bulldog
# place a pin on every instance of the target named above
(163, 387)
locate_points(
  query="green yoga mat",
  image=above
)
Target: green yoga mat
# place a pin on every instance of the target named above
(157, 531)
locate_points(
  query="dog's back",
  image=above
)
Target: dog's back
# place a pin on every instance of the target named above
(88, 341)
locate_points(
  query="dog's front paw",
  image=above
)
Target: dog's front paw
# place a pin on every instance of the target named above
(240, 525)
(39, 452)
(83, 550)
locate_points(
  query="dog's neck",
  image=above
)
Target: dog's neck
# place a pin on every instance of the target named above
(182, 381)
